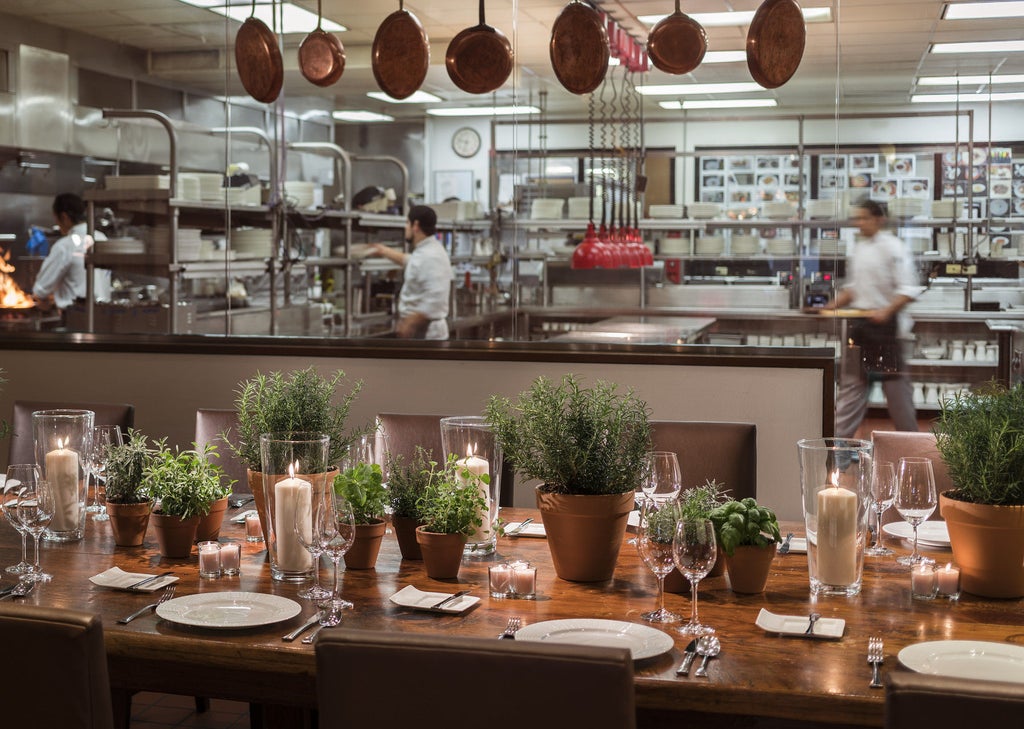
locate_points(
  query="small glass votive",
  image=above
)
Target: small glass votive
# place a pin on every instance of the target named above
(230, 559)
(947, 581)
(523, 581)
(923, 582)
(500, 578)
(253, 528)
(209, 559)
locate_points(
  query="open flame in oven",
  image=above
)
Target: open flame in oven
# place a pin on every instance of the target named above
(11, 296)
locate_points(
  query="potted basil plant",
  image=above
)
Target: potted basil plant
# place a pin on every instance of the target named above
(748, 535)
(362, 485)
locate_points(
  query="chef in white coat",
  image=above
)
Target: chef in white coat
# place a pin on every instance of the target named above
(62, 277)
(426, 282)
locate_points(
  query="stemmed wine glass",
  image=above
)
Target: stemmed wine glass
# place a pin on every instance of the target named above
(18, 474)
(915, 498)
(694, 550)
(337, 530)
(662, 478)
(654, 542)
(34, 508)
(883, 493)
(306, 516)
(104, 437)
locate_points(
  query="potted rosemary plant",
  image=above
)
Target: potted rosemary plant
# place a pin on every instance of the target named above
(450, 506)
(406, 484)
(747, 535)
(129, 502)
(362, 485)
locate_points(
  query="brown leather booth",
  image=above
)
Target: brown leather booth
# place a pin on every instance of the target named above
(210, 424)
(915, 700)
(725, 452)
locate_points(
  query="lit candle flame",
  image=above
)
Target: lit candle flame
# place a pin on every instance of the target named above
(835, 479)
(292, 468)
(60, 444)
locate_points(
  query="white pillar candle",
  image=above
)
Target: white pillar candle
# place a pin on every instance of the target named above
(477, 467)
(292, 495)
(62, 473)
(837, 536)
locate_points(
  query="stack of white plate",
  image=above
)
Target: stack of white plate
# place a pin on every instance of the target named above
(189, 243)
(300, 193)
(546, 208)
(906, 207)
(137, 182)
(665, 211)
(120, 245)
(674, 247)
(243, 195)
(779, 210)
(831, 247)
(745, 245)
(780, 247)
(188, 187)
(829, 209)
(579, 208)
(251, 242)
(703, 211)
(709, 245)
(210, 184)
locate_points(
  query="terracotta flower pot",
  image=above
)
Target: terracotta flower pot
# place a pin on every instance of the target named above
(258, 498)
(988, 545)
(748, 568)
(209, 525)
(362, 555)
(584, 532)
(405, 531)
(175, 535)
(129, 522)
(442, 553)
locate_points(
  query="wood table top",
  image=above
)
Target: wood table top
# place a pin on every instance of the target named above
(757, 674)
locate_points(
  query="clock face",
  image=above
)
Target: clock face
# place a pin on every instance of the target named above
(466, 142)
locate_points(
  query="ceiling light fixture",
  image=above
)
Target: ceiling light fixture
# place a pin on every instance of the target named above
(293, 18)
(484, 111)
(974, 11)
(1006, 78)
(979, 47)
(687, 89)
(718, 104)
(740, 17)
(359, 115)
(965, 98)
(417, 97)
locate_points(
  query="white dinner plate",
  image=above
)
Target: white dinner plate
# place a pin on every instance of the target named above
(228, 610)
(642, 641)
(966, 659)
(931, 533)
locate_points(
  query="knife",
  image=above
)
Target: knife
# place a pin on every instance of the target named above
(519, 528)
(691, 653)
(143, 583)
(450, 598)
(784, 548)
(301, 629)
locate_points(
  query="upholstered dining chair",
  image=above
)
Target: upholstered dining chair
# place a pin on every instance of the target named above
(210, 424)
(941, 702)
(725, 452)
(54, 673)
(505, 683)
(21, 448)
(891, 446)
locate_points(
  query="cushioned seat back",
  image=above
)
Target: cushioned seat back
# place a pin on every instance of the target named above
(726, 452)
(54, 672)
(210, 424)
(891, 446)
(445, 681)
(915, 700)
(22, 449)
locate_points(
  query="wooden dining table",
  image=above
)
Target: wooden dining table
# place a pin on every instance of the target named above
(773, 679)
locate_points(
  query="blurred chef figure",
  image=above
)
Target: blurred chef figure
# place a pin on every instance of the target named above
(426, 283)
(61, 278)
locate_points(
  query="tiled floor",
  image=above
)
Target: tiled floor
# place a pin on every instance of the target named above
(160, 711)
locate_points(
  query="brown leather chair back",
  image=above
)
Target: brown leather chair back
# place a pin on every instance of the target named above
(726, 452)
(210, 423)
(891, 446)
(507, 684)
(940, 702)
(22, 449)
(54, 673)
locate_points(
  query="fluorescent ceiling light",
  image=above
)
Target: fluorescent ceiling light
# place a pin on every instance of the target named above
(972, 11)
(685, 89)
(979, 47)
(416, 97)
(740, 17)
(724, 57)
(358, 115)
(613, 61)
(484, 111)
(293, 18)
(965, 98)
(718, 104)
(1006, 78)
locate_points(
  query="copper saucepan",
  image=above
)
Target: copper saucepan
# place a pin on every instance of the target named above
(321, 55)
(775, 42)
(579, 48)
(677, 43)
(479, 59)
(400, 54)
(258, 59)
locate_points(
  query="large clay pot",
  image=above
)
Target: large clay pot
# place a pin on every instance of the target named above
(362, 555)
(258, 498)
(405, 531)
(175, 535)
(209, 525)
(584, 532)
(988, 545)
(442, 553)
(129, 522)
(748, 568)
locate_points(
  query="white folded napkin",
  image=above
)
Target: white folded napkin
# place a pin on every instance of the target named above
(533, 529)
(117, 579)
(410, 597)
(240, 518)
(796, 625)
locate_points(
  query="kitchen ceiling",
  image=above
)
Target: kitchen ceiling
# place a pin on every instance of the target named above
(883, 46)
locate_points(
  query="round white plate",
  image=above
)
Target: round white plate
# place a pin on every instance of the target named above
(966, 659)
(642, 641)
(933, 533)
(228, 610)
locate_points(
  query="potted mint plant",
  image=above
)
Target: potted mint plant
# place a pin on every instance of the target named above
(450, 506)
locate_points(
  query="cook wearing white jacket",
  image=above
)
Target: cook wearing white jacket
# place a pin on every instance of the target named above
(62, 276)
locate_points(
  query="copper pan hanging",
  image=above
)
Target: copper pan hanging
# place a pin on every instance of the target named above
(775, 42)
(677, 43)
(258, 59)
(401, 54)
(579, 48)
(321, 55)
(479, 59)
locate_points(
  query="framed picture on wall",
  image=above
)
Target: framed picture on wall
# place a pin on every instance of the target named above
(902, 165)
(832, 162)
(864, 163)
(453, 184)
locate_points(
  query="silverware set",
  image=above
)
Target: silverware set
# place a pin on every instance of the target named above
(707, 647)
(518, 529)
(784, 547)
(514, 624)
(168, 594)
(20, 590)
(876, 656)
(241, 501)
(289, 637)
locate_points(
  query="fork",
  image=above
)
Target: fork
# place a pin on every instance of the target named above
(514, 624)
(168, 594)
(875, 658)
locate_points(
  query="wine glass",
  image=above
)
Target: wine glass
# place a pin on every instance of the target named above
(654, 542)
(336, 526)
(104, 437)
(34, 509)
(694, 550)
(662, 479)
(18, 474)
(883, 493)
(915, 498)
(306, 516)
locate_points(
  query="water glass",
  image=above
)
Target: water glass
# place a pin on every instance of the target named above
(17, 474)
(655, 544)
(63, 439)
(305, 519)
(661, 476)
(915, 498)
(883, 493)
(336, 530)
(104, 437)
(35, 508)
(472, 440)
(694, 551)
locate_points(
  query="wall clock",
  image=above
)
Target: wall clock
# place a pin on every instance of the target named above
(466, 142)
